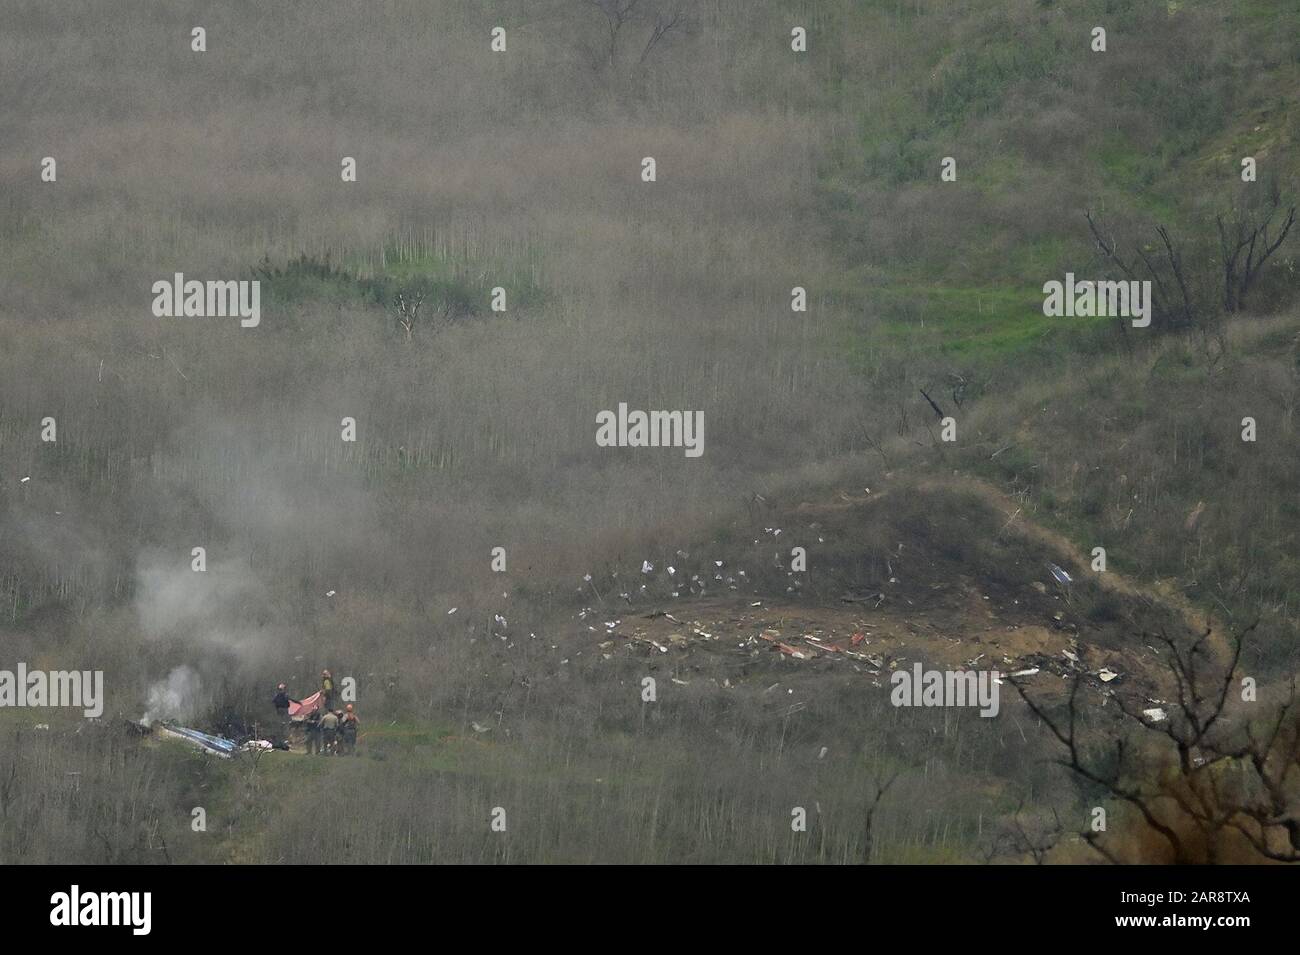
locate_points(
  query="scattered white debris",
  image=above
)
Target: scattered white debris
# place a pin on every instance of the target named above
(1155, 714)
(1030, 672)
(1071, 656)
(1106, 674)
(646, 567)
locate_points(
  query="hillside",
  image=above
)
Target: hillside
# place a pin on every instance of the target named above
(501, 211)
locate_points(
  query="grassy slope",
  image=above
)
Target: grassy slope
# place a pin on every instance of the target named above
(979, 309)
(1011, 90)
(1099, 444)
(967, 301)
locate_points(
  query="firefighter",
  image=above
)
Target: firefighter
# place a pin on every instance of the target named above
(311, 723)
(327, 688)
(348, 727)
(329, 726)
(281, 702)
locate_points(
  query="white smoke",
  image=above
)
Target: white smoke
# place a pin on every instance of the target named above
(174, 698)
(216, 608)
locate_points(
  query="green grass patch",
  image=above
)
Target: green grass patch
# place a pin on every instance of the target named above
(454, 291)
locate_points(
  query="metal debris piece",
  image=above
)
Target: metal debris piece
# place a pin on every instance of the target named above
(1061, 576)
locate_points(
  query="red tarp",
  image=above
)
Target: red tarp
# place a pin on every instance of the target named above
(302, 708)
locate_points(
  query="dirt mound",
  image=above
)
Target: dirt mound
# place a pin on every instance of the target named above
(946, 573)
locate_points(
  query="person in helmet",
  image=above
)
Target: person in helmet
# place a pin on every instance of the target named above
(327, 689)
(281, 702)
(329, 725)
(348, 727)
(311, 726)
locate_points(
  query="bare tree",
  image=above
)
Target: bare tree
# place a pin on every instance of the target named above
(664, 23)
(958, 385)
(617, 13)
(408, 310)
(1033, 834)
(1216, 775)
(1246, 245)
(1182, 313)
(868, 839)
(874, 445)
(663, 16)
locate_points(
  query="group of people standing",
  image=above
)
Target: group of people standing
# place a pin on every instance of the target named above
(329, 731)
